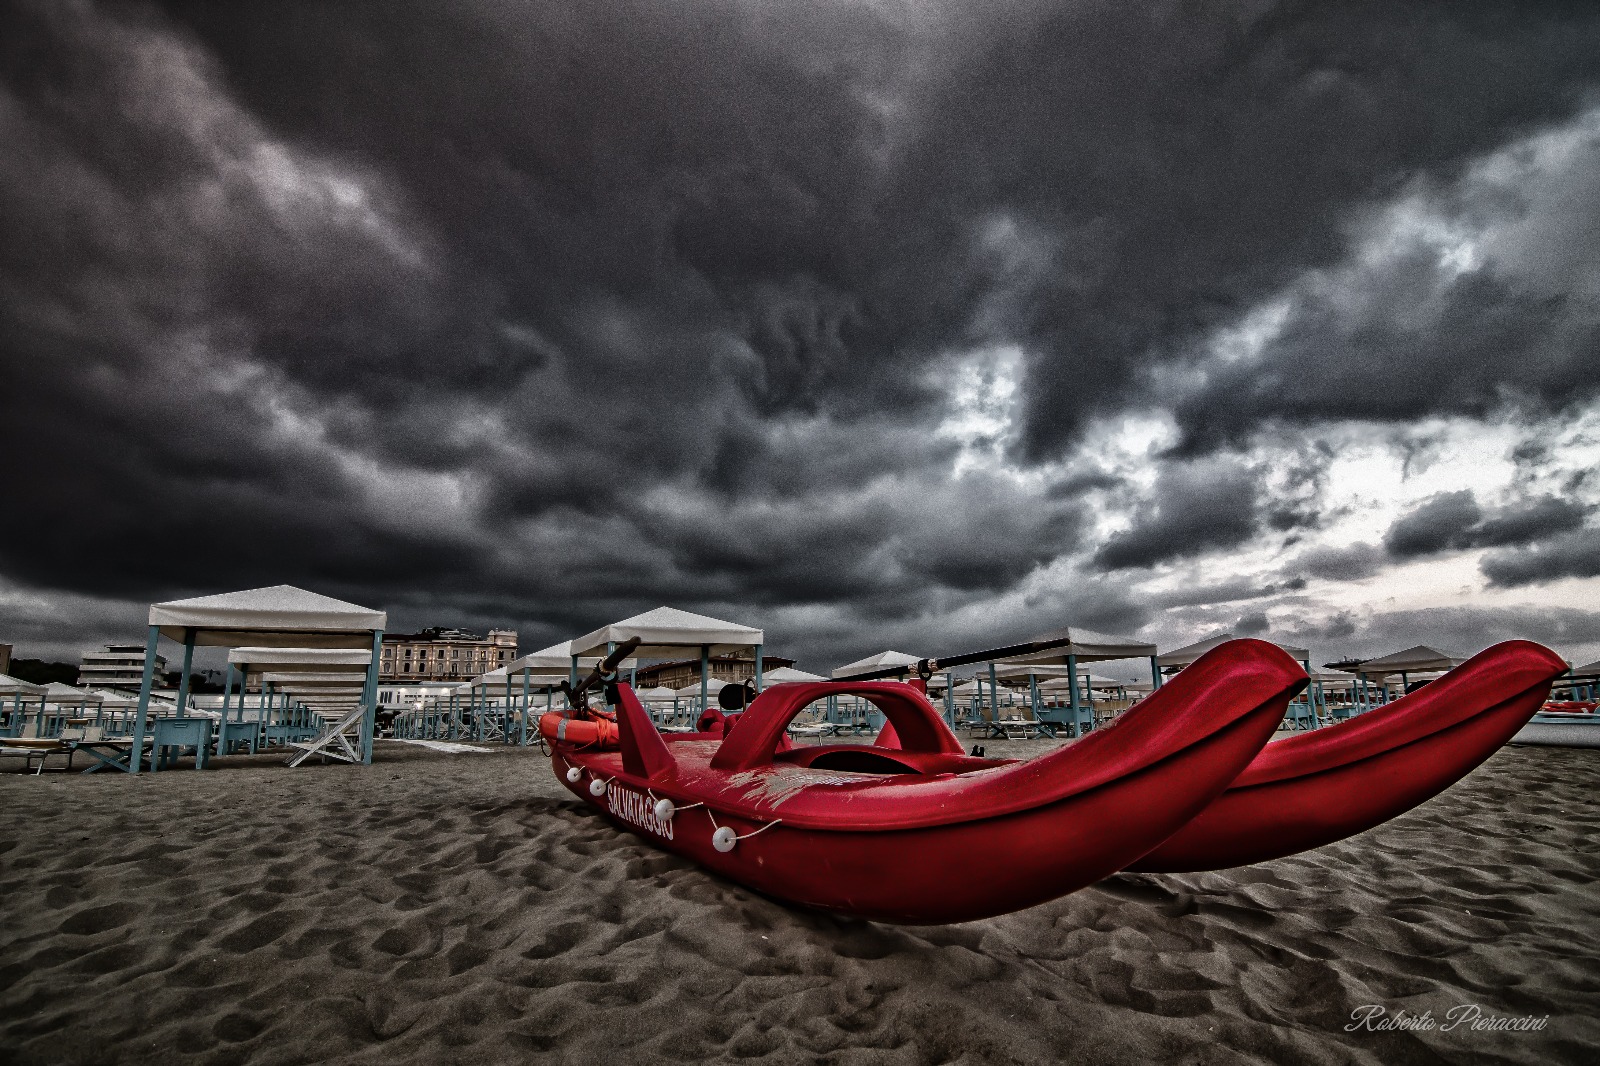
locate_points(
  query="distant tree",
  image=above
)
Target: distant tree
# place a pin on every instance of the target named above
(42, 672)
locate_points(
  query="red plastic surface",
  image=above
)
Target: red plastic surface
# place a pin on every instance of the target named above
(940, 837)
(1331, 783)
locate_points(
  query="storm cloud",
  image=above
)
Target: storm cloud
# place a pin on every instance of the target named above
(861, 322)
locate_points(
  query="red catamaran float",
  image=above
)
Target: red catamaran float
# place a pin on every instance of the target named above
(911, 829)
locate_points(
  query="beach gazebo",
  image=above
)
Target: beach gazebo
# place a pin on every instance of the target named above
(787, 675)
(1419, 659)
(1584, 679)
(17, 692)
(280, 616)
(881, 661)
(1075, 646)
(283, 672)
(667, 633)
(545, 669)
(1302, 709)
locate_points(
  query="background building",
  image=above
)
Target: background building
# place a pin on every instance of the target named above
(5, 658)
(682, 672)
(119, 666)
(444, 654)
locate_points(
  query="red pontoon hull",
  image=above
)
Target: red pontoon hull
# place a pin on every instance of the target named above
(1319, 787)
(923, 833)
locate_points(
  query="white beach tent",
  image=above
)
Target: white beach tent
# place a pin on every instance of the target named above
(279, 616)
(667, 633)
(60, 695)
(275, 667)
(785, 675)
(17, 692)
(881, 661)
(1187, 654)
(1420, 659)
(544, 670)
(692, 691)
(1078, 646)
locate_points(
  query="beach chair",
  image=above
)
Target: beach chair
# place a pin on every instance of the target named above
(334, 742)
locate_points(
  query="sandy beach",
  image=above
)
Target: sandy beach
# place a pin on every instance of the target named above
(444, 908)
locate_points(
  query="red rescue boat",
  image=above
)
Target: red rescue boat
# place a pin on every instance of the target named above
(1322, 786)
(922, 833)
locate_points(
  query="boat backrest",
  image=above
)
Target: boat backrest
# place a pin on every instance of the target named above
(918, 725)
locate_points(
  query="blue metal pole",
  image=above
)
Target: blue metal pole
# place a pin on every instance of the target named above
(950, 697)
(227, 703)
(758, 668)
(183, 682)
(369, 697)
(1155, 674)
(994, 696)
(136, 755)
(705, 671)
(522, 739)
(1072, 684)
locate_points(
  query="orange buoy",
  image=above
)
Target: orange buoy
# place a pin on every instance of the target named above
(585, 732)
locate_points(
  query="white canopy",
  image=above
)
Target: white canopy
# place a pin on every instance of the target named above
(300, 659)
(877, 662)
(297, 679)
(279, 616)
(1190, 652)
(1591, 670)
(11, 686)
(1087, 646)
(1018, 671)
(784, 675)
(661, 693)
(494, 679)
(56, 692)
(667, 631)
(1419, 659)
(1063, 684)
(556, 661)
(713, 686)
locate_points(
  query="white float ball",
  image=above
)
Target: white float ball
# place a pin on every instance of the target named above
(724, 839)
(573, 774)
(597, 788)
(665, 809)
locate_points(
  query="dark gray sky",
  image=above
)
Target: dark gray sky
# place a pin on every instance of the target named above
(875, 324)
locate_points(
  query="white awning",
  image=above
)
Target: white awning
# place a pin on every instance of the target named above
(713, 685)
(784, 675)
(1086, 645)
(494, 679)
(556, 660)
(298, 678)
(1411, 661)
(11, 686)
(1190, 652)
(879, 661)
(279, 616)
(667, 632)
(56, 692)
(341, 659)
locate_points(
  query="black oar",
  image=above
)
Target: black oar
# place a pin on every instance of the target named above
(604, 670)
(926, 668)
